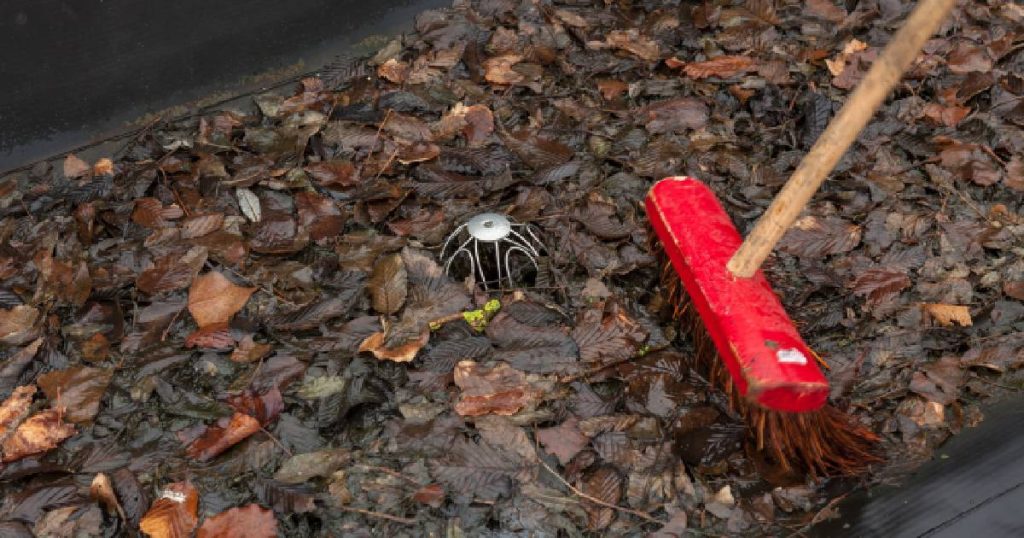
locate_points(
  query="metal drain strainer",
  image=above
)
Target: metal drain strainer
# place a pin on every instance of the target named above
(493, 249)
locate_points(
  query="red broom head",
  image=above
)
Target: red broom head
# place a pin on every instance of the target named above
(767, 360)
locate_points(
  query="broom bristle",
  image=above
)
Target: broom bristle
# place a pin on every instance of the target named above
(826, 442)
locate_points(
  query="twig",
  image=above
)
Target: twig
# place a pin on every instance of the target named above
(597, 501)
(389, 517)
(277, 441)
(387, 164)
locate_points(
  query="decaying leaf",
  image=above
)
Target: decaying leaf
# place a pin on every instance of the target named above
(498, 69)
(721, 67)
(174, 514)
(430, 495)
(564, 441)
(250, 521)
(303, 467)
(532, 349)
(500, 389)
(215, 299)
(674, 115)
(102, 491)
(939, 381)
(635, 43)
(40, 432)
(74, 167)
(476, 469)
(605, 484)
(826, 9)
(79, 389)
(388, 284)
(404, 352)
(172, 272)
(607, 335)
(14, 409)
(813, 237)
(838, 64)
(948, 314)
(249, 203)
(880, 284)
(17, 325)
(249, 350)
(223, 435)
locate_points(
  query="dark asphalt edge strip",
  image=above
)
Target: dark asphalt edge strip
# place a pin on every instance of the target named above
(965, 513)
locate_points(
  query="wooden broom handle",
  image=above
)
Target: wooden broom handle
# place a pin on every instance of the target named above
(840, 134)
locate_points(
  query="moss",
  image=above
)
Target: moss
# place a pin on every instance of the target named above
(477, 319)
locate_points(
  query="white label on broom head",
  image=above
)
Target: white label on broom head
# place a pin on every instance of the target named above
(790, 356)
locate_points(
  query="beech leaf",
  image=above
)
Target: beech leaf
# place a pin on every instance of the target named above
(250, 521)
(215, 299)
(174, 514)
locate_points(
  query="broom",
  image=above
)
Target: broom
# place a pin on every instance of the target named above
(772, 377)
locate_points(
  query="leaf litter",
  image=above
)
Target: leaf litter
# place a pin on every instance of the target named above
(242, 316)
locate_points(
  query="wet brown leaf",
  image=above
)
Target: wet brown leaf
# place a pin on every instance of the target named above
(477, 469)
(611, 89)
(605, 484)
(674, 115)
(967, 57)
(221, 436)
(633, 42)
(431, 495)
(721, 67)
(215, 299)
(41, 432)
(174, 514)
(407, 129)
(1015, 173)
(812, 237)
(250, 521)
(172, 272)
(14, 409)
(403, 352)
(838, 64)
(499, 390)
(498, 70)
(393, 71)
(215, 336)
(278, 233)
(79, 389)
(102, 491)
(284, 498)
(17, 325)
(388, 284)
(564, 441)
(939, 381)
(479, 125)
(879, 285)
(304, 467)
(948, 314)
(333, 174)
(949, 116)
(825, 9)
(532, 349)
(75, 167)
(1014, 289)
(151, 213)
(320, 215)
(200, 225)
(249, 350)
(417, 152)
(537, 152)
(607, 335)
